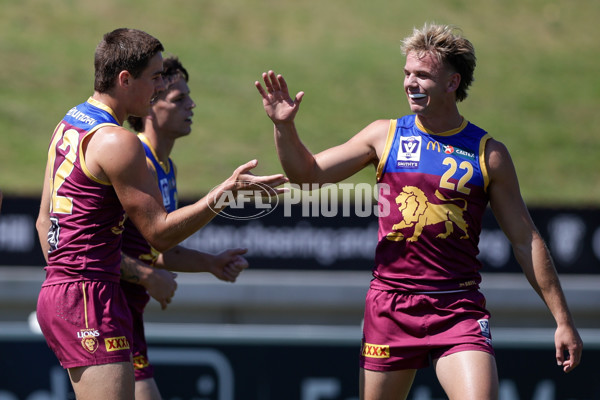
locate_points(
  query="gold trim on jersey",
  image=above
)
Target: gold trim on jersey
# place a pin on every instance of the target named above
(482, 166)
(387, 148)
(104, 107)
(145, 139)
(84, 167)
(451, 132)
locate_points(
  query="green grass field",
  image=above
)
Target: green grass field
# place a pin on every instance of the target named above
(537, 87)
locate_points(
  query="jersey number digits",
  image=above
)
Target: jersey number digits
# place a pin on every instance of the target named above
(62, 204)
(465, 165)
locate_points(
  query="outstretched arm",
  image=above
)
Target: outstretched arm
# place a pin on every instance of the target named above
(530, 251)
(116, 155)
(226, 265)
(302, 166)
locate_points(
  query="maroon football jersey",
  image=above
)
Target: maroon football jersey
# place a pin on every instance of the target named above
(86, 215)
(432, 200)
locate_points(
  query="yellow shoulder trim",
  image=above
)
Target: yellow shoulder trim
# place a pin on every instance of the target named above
(84, 167)
(482, 166)
(386, 150)
(145, 139)
(454, 131)
(102, 106)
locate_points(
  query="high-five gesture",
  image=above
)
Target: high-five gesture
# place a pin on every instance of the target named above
(243, 179)
(278, 104)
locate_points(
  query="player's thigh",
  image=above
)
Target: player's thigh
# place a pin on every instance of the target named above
(103, 382)
(388, 385)
(468, 375)
(147, 389)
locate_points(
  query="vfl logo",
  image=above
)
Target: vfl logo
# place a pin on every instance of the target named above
(409, 153)
(376, 350)
(164, 190)
(417, 212)
(410, 146)
(484, 324)
(116, 343)
(88, 339)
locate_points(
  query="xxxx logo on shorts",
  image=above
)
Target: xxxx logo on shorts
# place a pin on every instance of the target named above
(88, 339)
(116, 343)
(376, 350)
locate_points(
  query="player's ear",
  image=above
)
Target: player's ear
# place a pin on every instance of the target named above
(124, 78)
(453, 82)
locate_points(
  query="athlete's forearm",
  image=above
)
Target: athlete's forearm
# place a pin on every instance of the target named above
(181, 259)
(297, 161)
(134, 271)
(540, 271)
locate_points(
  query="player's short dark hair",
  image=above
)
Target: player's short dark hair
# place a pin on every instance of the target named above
(123, 49)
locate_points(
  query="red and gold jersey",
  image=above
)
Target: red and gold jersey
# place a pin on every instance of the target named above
(86, 215)
(432, 198)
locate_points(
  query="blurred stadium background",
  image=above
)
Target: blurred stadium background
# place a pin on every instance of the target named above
(290, 327)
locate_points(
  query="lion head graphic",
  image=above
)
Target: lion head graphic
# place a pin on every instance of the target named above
(90, 344)
(417, 212)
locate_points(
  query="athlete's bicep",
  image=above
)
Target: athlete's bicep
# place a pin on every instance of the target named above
(363, 149)
(506, 201)
(123, 161)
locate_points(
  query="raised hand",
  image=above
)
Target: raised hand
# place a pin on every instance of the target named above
(278, 104)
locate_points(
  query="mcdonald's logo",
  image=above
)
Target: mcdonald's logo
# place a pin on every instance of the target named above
(433, 144)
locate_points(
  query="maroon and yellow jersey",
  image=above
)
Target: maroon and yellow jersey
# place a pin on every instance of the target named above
(134, 244)
(86, 215)
(432, 200)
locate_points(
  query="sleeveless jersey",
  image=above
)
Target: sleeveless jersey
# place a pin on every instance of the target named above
(85, 213)
(432, 199)
(134, 243)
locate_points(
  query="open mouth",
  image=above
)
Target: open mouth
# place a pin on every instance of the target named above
(417, 95)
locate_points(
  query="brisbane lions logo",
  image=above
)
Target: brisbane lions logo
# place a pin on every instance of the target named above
(90, 344)
(417, 212)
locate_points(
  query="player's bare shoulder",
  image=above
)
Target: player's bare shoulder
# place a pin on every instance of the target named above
(496, 154)
(375, 134)
(500, 166)
(112, 149)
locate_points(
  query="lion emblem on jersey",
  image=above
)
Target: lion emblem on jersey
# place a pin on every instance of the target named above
(417, 212)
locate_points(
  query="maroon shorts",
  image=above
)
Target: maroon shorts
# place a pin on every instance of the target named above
(85, 323)
(137, 298)
(406, 330)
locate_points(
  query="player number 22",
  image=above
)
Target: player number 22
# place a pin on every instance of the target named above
(63, 204)
(453, 167)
